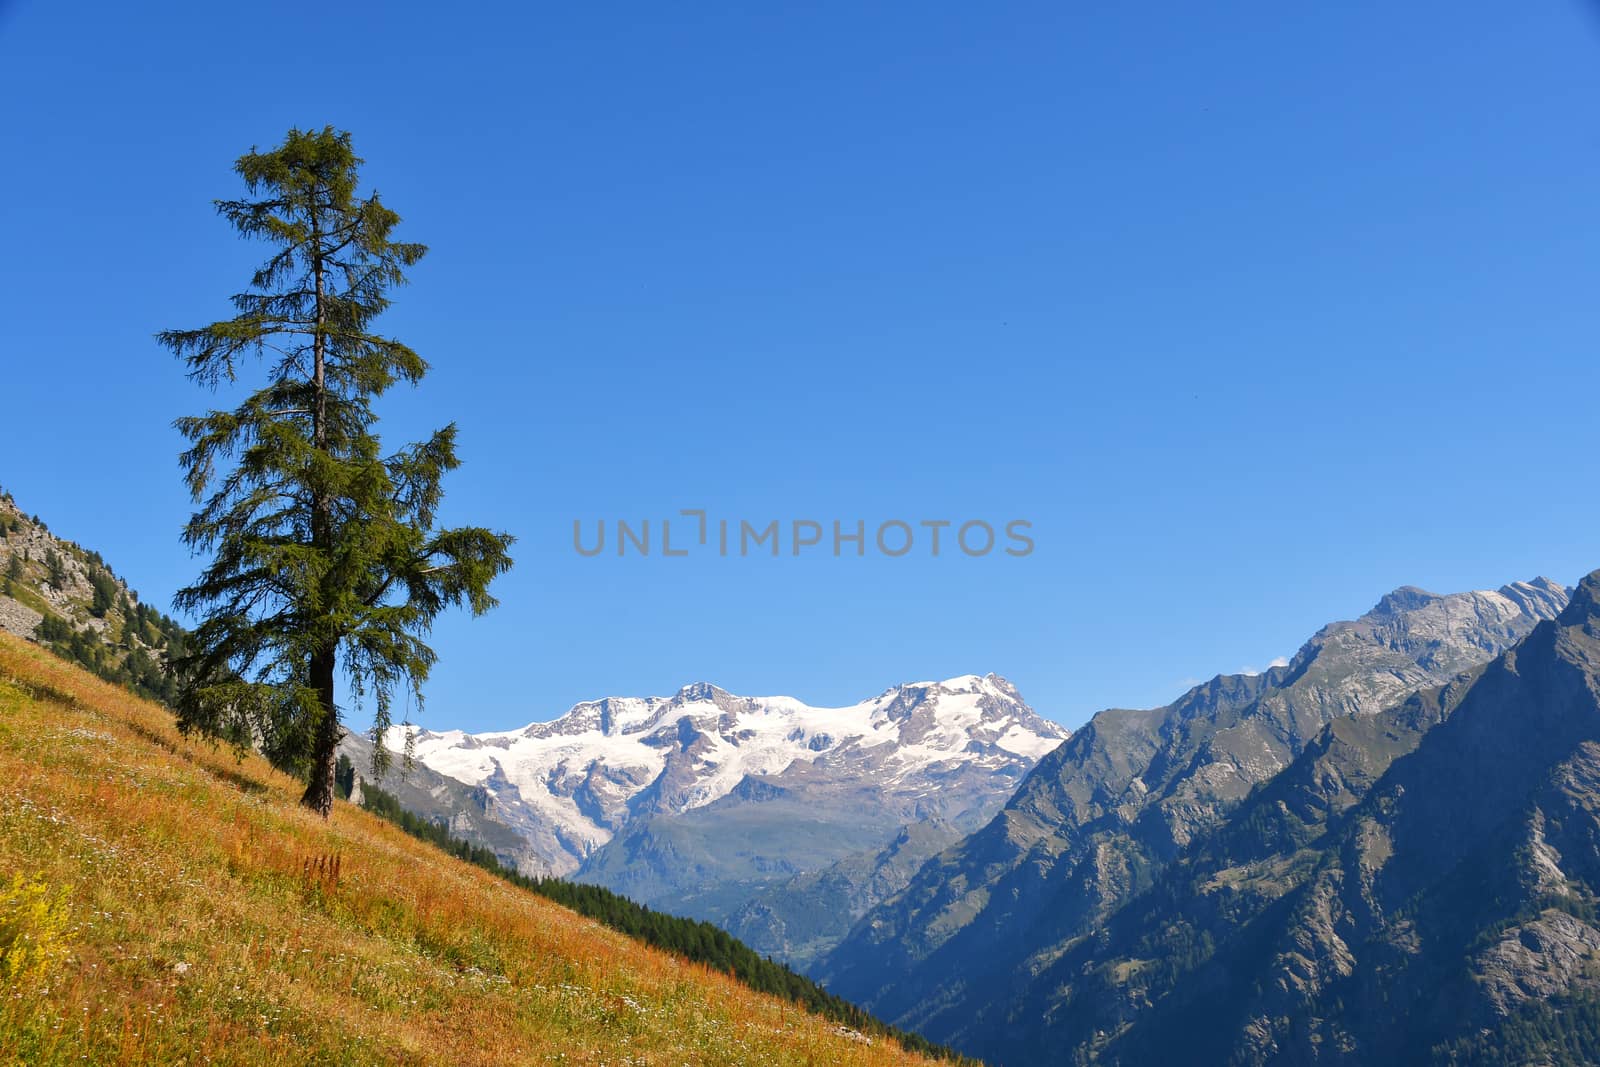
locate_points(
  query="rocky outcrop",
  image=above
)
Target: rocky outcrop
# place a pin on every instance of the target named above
(17, 618)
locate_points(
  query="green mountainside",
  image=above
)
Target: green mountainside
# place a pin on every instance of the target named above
(68, 599)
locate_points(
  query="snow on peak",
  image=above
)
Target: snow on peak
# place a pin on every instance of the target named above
(576, 778)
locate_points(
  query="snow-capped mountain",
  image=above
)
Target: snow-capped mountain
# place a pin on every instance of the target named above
(953, 750)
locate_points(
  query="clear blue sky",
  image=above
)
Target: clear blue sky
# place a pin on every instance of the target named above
(1254, 310)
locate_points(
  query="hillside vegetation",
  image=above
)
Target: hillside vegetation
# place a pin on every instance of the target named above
(162, 901)
(67, 598)
(691, 939)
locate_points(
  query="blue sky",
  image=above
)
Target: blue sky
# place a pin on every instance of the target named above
(1254, 311)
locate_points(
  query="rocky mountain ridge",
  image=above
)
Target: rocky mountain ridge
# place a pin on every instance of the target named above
(571, 784)
(1099, 818)
(1420, 885)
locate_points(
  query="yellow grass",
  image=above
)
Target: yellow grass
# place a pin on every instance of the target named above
(170, 904)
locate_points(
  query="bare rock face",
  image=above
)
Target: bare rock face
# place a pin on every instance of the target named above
(17, 618)
(1100, 818)
(1539, 959)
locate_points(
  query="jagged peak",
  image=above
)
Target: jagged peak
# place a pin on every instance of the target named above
(1541, 597)
(1404, 599)
(696, 692)
(961, 683)
(620, 714)
(605, 762)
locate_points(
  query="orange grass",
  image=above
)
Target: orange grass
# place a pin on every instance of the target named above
(209, 919)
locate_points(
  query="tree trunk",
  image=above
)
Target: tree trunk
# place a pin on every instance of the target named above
(325, 744)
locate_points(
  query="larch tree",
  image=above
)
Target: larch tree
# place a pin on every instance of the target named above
(325, 560)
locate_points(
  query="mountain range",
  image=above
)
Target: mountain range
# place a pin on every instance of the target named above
(1098, 821)
(1419, 885)
(706, 803)
(1386, 849)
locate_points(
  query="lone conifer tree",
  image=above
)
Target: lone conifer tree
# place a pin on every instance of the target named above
(324, 557)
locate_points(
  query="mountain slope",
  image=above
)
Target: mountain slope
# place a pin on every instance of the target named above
(67, 599)
(803, 917)
(1420, 885)
(458, 808)
(164, 901)
(1097, 819)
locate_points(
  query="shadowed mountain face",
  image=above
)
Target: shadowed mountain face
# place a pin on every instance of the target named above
(1419, 885)
(1099, 818)
(800, 918)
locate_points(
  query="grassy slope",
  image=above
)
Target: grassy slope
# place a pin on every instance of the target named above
(195, 932)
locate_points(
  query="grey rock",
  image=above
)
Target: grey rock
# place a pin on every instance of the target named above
(1100, 817)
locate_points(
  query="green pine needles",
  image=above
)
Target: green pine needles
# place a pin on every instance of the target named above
(325, 561)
